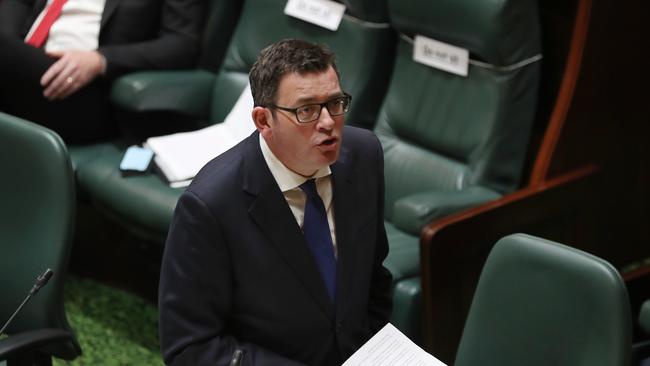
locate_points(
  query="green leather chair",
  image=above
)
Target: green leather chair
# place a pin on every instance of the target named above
(542, 303)
(452, 142)
(364, 45)
(165, 91)
(36, 225)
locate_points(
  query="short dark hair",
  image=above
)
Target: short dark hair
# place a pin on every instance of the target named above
(282, 58)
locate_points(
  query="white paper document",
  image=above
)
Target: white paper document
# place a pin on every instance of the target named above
(390, 347)
(323, 13)
(440, 55)
(180, 156)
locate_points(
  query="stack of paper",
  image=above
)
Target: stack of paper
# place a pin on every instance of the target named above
(180, 156)
(390, 347)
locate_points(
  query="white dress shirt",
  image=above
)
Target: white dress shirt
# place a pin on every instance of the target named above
(77, 28)
(289, 183)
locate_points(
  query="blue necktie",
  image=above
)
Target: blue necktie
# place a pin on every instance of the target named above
(317, 234)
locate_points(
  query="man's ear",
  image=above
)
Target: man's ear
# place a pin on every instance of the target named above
(261, 118)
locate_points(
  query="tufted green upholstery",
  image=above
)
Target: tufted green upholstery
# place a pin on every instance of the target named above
(453, 142)
(364, 45)
(543, 303)
(36, 225)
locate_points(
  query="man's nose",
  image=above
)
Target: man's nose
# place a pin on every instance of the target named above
(325, 120)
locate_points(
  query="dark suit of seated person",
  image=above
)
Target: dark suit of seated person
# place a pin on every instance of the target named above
(243, 268)
(63, 80)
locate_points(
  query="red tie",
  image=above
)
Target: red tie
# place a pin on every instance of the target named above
(43, 29)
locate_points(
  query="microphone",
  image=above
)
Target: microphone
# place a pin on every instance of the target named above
(237, 357)
(41, 281)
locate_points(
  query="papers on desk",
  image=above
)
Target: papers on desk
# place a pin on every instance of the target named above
(390, 347)
(180, 156)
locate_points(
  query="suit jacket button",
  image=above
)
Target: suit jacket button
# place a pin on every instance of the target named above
(338, 327)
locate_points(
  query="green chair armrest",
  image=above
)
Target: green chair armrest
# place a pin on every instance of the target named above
(407, 308)
(187, 92)
(644, 317)
(412, 213)
(641, 350)
(30, 341)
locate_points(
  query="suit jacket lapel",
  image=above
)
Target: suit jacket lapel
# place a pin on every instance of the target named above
(345, 207)
(39, 6)
(272, 214)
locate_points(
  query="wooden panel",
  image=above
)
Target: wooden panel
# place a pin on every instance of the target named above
(564, 97)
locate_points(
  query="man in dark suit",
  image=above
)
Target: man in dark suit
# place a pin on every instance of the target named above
(64, 83)
(240, 269)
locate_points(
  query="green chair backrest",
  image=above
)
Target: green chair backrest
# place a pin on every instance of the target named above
(36, 225)
(445, 132)
(363, 44)
(542, 303)
(222, 16)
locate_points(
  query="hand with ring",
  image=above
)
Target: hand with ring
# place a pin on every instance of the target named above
(71, 72)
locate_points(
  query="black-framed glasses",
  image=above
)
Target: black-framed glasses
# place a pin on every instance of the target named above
(311, 112)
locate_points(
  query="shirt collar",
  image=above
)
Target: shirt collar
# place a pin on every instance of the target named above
(287, 179)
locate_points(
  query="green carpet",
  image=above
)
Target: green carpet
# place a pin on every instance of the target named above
(113, 327)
